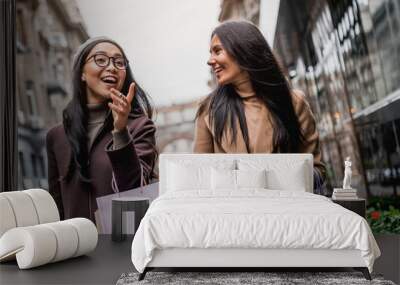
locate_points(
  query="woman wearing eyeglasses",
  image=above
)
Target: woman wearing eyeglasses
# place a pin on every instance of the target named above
(106, 142)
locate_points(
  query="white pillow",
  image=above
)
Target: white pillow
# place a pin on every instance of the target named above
(282, 174)
(223, 179)
(291, 179)
(183, 177)
(227, 179)
(251, 178)
(184, 174)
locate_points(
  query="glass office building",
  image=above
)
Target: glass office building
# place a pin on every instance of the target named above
(346, 56)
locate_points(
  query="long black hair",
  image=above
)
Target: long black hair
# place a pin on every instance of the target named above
(244, 42)
(75, 115)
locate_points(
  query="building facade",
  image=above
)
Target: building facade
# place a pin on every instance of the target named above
(175, 127)
(238, 9)
(48, 33)
(345, 55)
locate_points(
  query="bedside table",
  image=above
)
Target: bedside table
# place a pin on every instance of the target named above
(138, 205)
(355, 205)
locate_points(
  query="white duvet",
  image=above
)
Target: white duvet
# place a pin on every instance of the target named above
(250, 219)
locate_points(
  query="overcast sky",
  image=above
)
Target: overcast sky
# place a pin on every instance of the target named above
(166, 41)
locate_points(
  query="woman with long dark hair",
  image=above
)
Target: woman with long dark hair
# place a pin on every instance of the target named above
(253, 108)
(106, 142)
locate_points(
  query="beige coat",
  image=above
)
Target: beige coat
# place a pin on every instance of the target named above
(260, 128)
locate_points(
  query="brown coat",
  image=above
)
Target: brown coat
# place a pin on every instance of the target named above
(110, 170)
(260, 128)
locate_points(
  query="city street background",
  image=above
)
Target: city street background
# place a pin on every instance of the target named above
(344, 55)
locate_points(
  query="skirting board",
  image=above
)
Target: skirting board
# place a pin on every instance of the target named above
(232, 257)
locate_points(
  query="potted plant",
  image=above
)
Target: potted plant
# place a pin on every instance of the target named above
(383, 215)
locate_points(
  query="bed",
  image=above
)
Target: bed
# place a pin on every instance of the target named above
(247, 210)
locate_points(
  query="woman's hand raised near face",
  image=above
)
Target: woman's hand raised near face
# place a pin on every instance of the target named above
(121, 106)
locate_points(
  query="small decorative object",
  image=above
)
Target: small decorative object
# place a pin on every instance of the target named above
(347, 192)
(347, 174)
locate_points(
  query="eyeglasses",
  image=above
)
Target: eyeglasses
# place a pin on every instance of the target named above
(103, 60)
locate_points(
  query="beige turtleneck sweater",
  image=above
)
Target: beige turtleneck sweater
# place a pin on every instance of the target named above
(96, 118)
(260, 128)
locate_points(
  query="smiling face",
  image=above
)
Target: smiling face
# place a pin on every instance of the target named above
(224, 66)
(99, 80)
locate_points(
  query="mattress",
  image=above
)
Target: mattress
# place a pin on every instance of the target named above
(250, 219)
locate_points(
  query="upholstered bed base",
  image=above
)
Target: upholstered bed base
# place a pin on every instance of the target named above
(256, 258)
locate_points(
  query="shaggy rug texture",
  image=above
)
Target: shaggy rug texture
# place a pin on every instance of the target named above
(242, 278)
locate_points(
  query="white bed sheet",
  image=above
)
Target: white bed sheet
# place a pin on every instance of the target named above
(252, 218)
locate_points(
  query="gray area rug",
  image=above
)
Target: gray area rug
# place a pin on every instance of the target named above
(229, 278)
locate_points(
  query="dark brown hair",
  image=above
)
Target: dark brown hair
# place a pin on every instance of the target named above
(245, 43)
